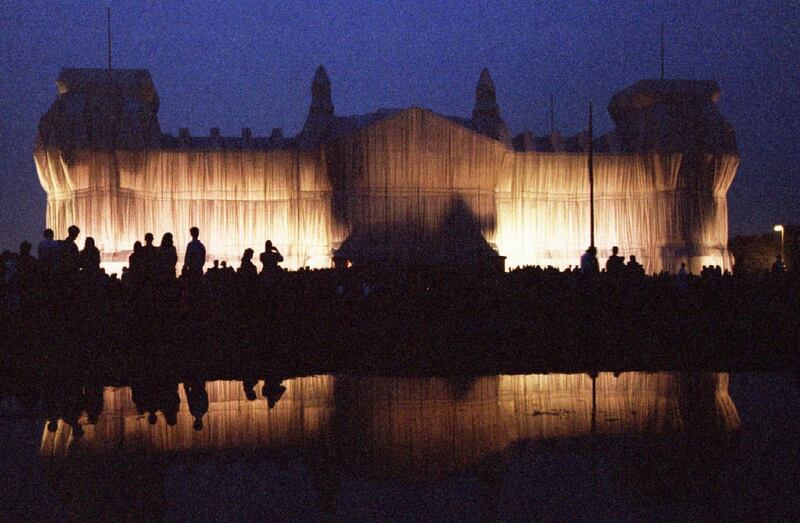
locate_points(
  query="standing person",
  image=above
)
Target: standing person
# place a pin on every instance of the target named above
(778, 267)
(167, 257)
(247, 269)
(195, 256)
(135, 260)
(270, 258)
(27, 267)
(615, 263)
(90, 256)
(589, 263)
(683, 277)
(149, 256)
(70, 256)
(634, 268)
(47, 250)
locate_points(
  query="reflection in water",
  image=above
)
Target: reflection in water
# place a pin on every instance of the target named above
(231, 421)
(405, 427)
(413, 426)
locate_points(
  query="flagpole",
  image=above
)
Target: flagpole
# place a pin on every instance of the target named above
(591, 179)
(662, 50)
(108, 20)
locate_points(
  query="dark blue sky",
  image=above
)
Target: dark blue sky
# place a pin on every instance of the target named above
(249, 64)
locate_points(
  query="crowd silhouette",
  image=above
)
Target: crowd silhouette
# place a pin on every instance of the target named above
(61, 302)
(61, 261)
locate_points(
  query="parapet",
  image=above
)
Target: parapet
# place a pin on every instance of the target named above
(672, 116)
(101, 109)
(117, 109)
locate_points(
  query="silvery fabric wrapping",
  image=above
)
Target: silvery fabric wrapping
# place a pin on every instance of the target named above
(393, 183)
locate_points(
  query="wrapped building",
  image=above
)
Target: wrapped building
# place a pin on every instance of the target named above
(393, 186)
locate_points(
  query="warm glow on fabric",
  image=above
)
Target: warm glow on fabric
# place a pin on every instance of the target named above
(395, 182)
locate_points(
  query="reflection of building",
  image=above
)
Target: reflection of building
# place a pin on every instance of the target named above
(417, 426)
(413, 426)
(394, 184)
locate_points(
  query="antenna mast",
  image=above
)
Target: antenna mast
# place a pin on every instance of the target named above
(552, 118)
(662, 50)
(591, 179)
(108, 18)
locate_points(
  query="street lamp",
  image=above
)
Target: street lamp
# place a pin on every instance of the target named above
(779, 228)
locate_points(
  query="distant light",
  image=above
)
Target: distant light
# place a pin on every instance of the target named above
(778, 228)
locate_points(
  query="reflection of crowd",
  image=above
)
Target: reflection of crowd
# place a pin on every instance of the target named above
(79, 402)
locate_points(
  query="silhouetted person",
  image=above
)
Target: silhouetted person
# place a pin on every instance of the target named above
(683, 277)
(149, 256)
(135, 263)
(93, 400)
(247, 269)
(167, 257)
(248, 386)
(214, 270)
(25, 249)
(270, 258)
(226, 274)
(48, 250)
(9, 266)
(171, 417)
(778, 267)
(169, 401)
(144, 395)
(90, 256)
(634, 268)
(615, 264)
(589, 263)
(64, 399)
(70, 256)
(195, 257)
(272, 390)
(197, 397)
(27, 266)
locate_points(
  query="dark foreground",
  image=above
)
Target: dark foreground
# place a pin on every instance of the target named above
(439, 322)
(628, 447)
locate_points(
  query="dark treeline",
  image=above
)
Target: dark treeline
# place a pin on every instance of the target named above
(61, 311)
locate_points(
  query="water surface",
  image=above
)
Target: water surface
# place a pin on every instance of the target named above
(363, 447)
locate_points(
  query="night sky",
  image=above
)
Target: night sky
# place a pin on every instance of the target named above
(250, 64)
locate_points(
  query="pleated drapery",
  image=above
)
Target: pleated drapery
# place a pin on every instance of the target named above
(395, 182)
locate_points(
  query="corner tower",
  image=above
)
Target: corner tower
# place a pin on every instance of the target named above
(320, 114)
(486, 117)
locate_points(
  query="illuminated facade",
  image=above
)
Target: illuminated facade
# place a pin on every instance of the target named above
(394, 185)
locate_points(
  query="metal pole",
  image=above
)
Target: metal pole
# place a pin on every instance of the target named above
(591, 179)
(593, 426)
(108, 18)
(782, 232)
(552, 117)
(662, 50)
